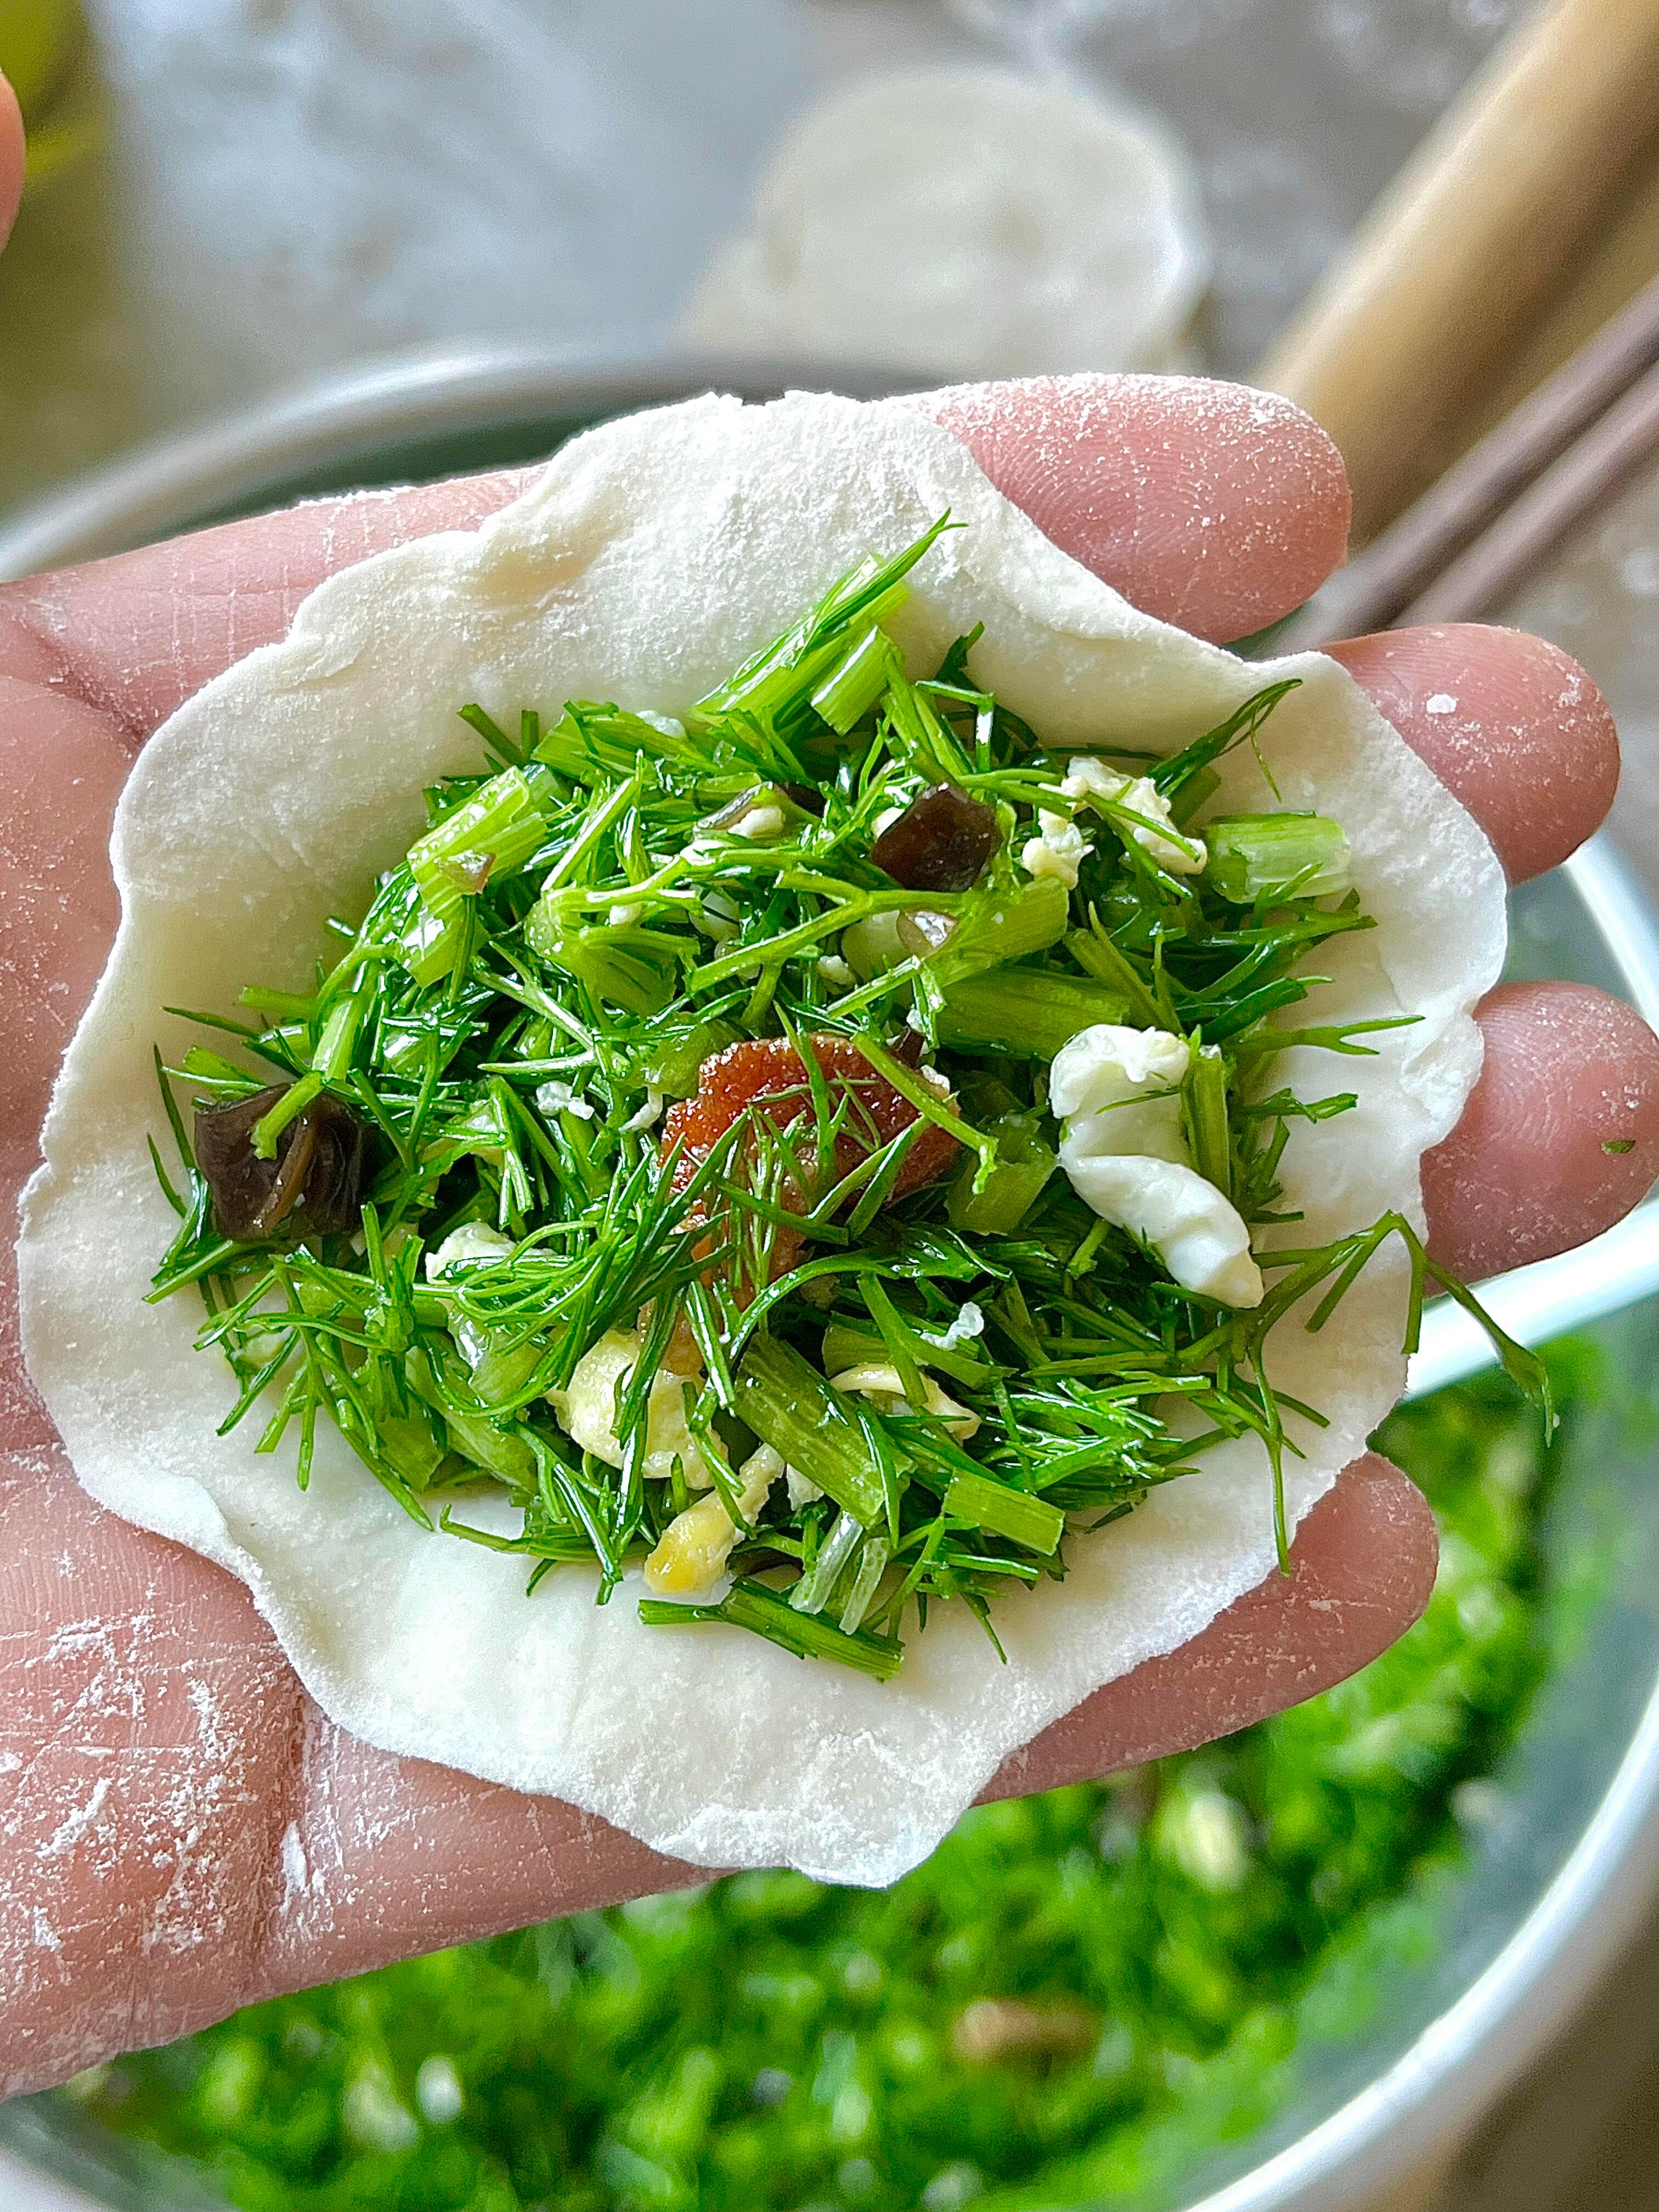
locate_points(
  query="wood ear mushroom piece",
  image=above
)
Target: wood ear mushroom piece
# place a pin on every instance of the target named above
(941, 842)
(314, 1181)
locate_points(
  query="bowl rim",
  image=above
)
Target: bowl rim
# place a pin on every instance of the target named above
(1433, 2096)
(169, 483)
(1415, 2115)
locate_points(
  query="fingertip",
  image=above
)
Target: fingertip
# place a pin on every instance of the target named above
(1560, 1137)
(1374, 1545)
(1208, 504)
(1364, 1564)
(11, 158)
(1512, 726)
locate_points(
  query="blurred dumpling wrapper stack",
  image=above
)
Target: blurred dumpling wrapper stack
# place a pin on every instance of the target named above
(964, 222)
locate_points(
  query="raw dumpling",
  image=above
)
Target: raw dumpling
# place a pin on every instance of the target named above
(647, 560)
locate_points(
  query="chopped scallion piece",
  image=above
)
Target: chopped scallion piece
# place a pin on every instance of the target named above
(1012, 1513)
(1024, 1165)
(1029, 1012)
(852, 688)
(814, 1590)
(1257, 856)
(751, 1605)
(790, 1406)
(872, 1566)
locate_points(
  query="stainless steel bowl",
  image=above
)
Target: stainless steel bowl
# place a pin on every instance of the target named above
(1551, 1888)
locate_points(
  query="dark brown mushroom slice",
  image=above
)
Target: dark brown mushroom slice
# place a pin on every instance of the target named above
(941, 842)
(314, 1183)
(806, 796)
(331, 1200)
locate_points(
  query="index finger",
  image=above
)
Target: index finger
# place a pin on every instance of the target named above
(1213, 506)
(1208, 504)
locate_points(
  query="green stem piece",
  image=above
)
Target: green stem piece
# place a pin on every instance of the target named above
(790, 1406)
(991, 1505)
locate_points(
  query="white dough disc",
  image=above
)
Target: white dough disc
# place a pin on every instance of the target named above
(650, 558)
(963, 222)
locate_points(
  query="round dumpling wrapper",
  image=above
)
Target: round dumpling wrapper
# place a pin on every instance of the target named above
(652, 557)
(963, 222)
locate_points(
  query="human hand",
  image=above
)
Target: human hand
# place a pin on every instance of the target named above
(181, 1831)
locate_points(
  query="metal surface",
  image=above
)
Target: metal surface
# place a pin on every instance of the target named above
(1424, 2105)
(280, 186)
(1571, 1918)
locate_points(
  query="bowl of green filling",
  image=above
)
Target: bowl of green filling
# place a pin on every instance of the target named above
(1272, 1971)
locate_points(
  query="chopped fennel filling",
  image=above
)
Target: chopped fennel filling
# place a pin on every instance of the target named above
(778, 1151)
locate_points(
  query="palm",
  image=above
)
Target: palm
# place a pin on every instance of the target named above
(181, 1829)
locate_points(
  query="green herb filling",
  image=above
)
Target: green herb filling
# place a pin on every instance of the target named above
(670, 1145)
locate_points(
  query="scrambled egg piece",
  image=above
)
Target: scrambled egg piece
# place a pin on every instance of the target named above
(1118, 1091)
(883, 1386)
(474, 1244)
(690, 1559)
(1059, 849)
(586, 1409)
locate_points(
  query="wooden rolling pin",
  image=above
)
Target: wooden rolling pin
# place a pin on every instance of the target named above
(1465, 252)
(1619, 258)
